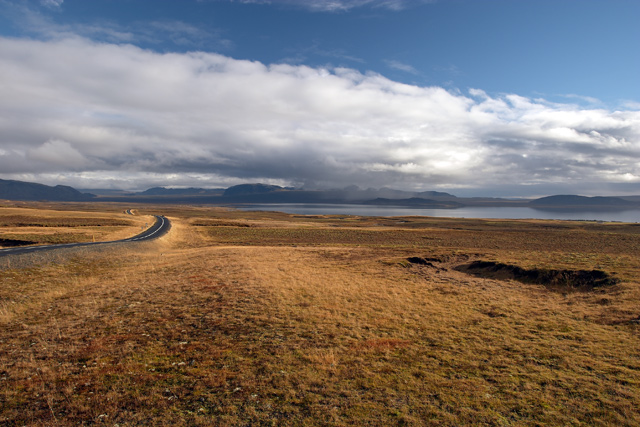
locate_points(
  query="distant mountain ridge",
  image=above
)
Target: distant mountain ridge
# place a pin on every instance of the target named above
(348, 194)
(20, 190)
(251, 189)
(581, 202)
(191, 191)
(258, 193)
(414, 202)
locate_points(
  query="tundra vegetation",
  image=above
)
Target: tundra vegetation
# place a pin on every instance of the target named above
(256, 318)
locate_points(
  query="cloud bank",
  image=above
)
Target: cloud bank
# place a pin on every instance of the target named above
(97, 114)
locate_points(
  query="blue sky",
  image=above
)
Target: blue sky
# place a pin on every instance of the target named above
(491, 97)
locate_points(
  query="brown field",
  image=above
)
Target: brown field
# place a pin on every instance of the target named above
(252, 318)
(24, 224)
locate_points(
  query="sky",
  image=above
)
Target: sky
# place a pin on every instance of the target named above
(511, 98)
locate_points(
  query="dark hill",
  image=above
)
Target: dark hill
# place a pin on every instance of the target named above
(572, 201)
(20, 190)
(162, 191)
(635, 199)
(416, 202)
(355, 194)
(438, 195)
(249, 189)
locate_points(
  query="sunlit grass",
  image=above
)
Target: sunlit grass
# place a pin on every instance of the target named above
(303, 321)
(31, 225)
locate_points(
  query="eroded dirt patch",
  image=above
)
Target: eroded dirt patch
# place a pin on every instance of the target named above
(423, 261)
(11, 243)
(557, 279)
(219, 223)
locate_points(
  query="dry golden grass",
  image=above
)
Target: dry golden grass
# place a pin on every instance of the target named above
(38, 224)
(322, 321)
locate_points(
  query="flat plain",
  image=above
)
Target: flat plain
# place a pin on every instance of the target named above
(257, 318)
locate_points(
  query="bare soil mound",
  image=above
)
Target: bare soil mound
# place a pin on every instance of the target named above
(10, 243)
(423, 261)
(564, 279)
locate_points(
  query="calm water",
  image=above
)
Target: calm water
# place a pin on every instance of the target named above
(466, 212)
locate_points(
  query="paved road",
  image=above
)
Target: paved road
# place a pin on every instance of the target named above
(159, 228)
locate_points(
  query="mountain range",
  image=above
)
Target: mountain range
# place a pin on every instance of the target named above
(568, 201)
(20, 190)
(264, 194)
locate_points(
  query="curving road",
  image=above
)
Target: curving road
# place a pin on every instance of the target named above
(159, 228)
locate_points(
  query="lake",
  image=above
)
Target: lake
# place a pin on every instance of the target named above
(466, 212)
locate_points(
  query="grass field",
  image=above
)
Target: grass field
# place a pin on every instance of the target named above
(253, 318)
(34, 224)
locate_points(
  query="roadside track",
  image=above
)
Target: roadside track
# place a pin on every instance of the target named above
(158, 229)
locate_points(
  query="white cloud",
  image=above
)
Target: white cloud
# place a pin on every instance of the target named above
(32, 21)
(52, 3)
(631, 105)
(342, 5)
(586, 99)
(92, 112)
(397, 65)
(57, 154)
(300, 55)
